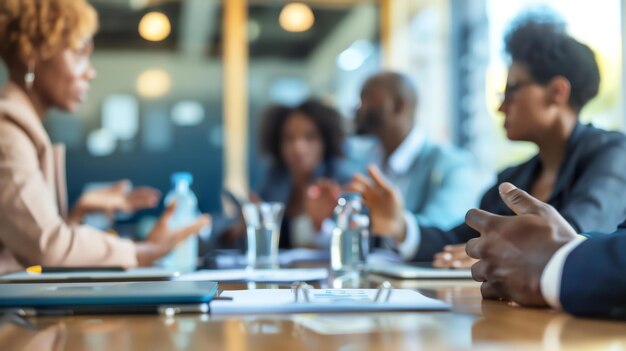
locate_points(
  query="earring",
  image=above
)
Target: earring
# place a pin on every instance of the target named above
(29, 77)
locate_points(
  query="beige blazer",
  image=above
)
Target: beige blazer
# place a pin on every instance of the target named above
(33, 202)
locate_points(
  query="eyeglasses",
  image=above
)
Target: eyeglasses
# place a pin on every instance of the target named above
(510, 90)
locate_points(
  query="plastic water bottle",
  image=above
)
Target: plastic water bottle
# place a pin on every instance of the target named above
(184, 257)
(350, 238)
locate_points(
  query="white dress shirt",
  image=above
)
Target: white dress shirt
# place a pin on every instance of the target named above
(553, 273)
(396, 170)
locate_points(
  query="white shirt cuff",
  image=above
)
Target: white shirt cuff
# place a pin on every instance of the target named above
(553, 273)
(408, 248)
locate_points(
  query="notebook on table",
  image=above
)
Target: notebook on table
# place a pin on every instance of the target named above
(96, 298)
(129, 275)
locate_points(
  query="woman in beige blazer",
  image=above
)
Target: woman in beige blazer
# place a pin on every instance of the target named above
(47, 45)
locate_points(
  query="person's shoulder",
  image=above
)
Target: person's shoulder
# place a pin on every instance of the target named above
(595, 142)
(597, 137)
(447, 154)
(18, 122)
(15, 142)
(10, 131)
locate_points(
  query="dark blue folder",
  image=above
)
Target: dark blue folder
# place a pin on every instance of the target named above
(122, 297)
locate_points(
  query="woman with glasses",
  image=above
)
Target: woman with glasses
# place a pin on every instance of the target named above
(579, 170)
(46, 46)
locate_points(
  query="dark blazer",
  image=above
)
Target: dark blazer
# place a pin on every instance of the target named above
(277, 186)
(589, 190)
(594, 277)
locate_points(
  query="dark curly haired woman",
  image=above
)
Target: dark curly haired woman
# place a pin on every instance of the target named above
(304, 145)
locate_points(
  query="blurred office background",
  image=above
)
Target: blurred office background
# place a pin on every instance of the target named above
(181, 83)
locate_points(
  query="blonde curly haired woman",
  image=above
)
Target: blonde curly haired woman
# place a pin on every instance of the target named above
(46, 46)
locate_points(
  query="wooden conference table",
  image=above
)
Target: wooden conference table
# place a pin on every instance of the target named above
(473, 324)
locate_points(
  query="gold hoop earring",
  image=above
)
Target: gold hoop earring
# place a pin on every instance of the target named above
(29, 77)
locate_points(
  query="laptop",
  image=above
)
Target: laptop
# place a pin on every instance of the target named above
(421, 270)
(167, 297)
(129, 275)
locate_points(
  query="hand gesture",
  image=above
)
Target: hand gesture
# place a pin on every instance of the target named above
(162, 240)
(120, 197)
(321, 199)
(453, 256)
(384, 202)
(514, 250)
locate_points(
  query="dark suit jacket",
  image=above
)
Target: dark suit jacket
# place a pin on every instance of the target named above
(594, 277)
(589, 190)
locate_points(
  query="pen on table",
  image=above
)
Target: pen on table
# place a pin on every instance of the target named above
(49, 269)
(219, 296)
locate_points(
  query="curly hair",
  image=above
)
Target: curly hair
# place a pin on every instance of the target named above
(547, 51)
(326, 119)
(41, 27)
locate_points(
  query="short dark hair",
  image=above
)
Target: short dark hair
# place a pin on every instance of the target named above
(326, 119)
(547, 51)
(398, 85)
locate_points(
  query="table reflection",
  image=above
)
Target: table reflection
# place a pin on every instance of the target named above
(549, 329)
(51, 337)
(472, 324)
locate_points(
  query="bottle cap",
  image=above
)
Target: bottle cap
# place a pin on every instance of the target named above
(182, 177)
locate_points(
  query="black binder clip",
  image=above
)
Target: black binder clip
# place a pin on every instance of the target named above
(382, 288)
(303, 288)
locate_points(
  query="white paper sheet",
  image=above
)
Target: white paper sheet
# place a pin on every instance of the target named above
(259, 275)
(322, 300)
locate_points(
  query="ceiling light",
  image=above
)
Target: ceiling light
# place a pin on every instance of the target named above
(154, 26)
(296, 17)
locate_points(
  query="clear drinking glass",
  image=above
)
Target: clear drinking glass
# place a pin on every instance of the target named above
(263, 221)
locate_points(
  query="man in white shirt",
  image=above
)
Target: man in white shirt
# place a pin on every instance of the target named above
(437, 183)
(536, 259)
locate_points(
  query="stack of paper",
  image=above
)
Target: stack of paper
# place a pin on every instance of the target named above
(322, 300)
